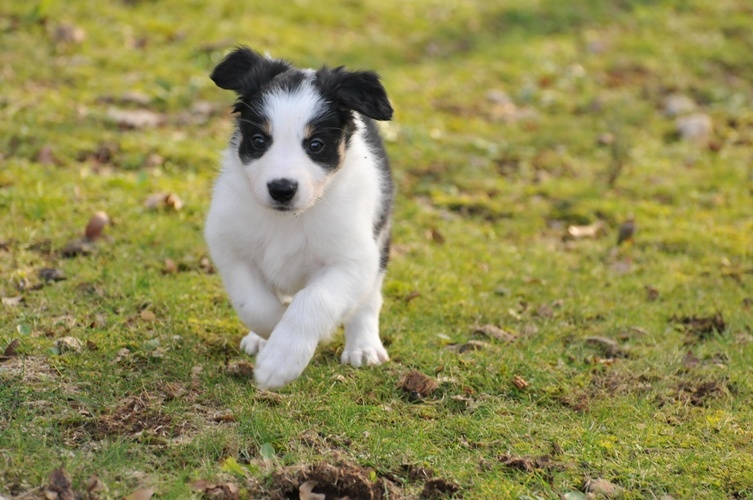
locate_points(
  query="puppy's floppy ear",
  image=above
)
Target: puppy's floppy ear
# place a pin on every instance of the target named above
(246, 71)
(357, 90)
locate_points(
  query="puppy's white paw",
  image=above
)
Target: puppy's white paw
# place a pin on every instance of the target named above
(252, 343)
(280, 363)
(365, 355)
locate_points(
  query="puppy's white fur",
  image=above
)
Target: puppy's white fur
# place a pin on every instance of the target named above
(294, 276)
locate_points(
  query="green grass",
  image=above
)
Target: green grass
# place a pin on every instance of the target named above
(497, 188)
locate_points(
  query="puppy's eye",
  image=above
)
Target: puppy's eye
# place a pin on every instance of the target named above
(316, 145)
(258, 141)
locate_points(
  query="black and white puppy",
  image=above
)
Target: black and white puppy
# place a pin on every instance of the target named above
(299, 224)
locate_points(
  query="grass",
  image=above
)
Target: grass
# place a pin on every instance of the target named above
(487, 188)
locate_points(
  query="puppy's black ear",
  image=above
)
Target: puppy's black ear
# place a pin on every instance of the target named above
(246, 71)
(357, 90)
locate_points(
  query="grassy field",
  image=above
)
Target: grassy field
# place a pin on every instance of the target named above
(553, 362)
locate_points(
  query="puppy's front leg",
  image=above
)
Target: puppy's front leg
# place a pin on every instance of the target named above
(313, 314)
(254, 302)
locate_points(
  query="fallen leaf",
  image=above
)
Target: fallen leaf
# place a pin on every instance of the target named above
(163, 200)
(224, 416)
(306, 492)
(690, 360)
(59, 485)
(148, 315)
(520, 382)
(224, 491)
(626, 231)
(609, 347)
(12, 301)
(142, 494)
(471, 345)
(417, 385)
(135, 118)
(594, 230)
(121, 355)
(69, 344)
(494, 332)
(94, 485)
(78, 246)
(602, 487)
(241, 369)
(439, 488)
(96, 225)
(51, 274)
(435, 236)
(169, 267)
(68, 33)
(11, 351)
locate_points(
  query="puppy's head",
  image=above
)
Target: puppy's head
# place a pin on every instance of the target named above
(294, 126)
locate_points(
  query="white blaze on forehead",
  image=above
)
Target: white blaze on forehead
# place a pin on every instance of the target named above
(290, 112)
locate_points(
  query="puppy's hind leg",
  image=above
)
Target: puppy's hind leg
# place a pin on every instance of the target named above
(362, 343)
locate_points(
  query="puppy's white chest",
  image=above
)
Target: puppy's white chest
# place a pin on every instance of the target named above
(288, 261)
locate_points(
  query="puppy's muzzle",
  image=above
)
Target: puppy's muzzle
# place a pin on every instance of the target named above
(282, 190)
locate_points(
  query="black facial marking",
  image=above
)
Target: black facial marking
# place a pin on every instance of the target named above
(328, 137)
(253, 129)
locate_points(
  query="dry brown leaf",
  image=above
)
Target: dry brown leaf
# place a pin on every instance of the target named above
(241, 369)
(494, 332)
(609, 347)
(306, 491)
(603, 487)
(147, 315)
(96, 225)
(690, 360)
(11, 351)
(135, 118)
(417, 385)
(59, 486)
(142, 494)
(224, 491)
(170, 267)
(158, 201)
(224, 416)
(594, 230)
(51, 274)
(94, 486)
(471, 345)
(69, 344)
(78, 246)
(12, 301)
(520, 382)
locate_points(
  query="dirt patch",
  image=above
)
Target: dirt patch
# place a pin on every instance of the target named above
(701, 393)
(137, 416)
(440, 488)
(332, 481)
(530, 463)
(701, 327)
(417, 385)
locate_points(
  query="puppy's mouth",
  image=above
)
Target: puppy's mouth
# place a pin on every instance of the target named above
(283, 208)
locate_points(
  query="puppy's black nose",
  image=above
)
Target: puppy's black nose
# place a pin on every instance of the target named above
(282, 190)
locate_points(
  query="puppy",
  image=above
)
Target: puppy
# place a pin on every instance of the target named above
(299, 224)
